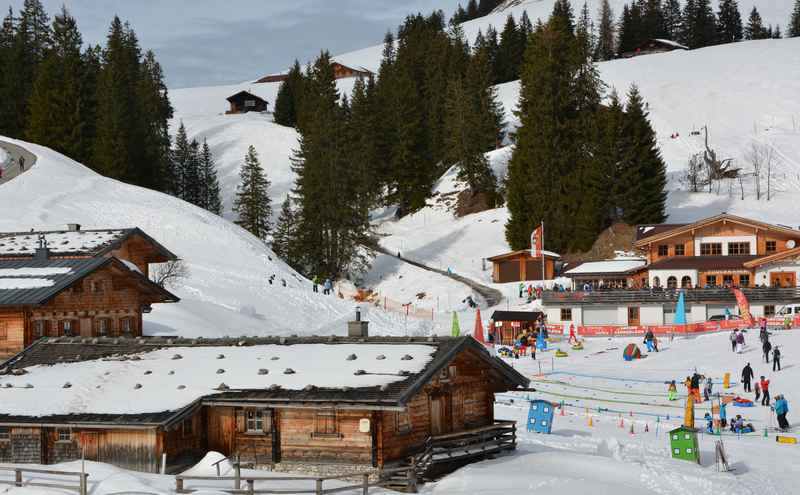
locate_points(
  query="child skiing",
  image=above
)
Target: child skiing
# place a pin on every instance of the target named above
(776, 359)
(707, 389)
(758, 390)
(764, 391)
(672, 391)
(709, 423)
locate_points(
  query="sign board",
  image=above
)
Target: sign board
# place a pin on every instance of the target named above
(363, 425)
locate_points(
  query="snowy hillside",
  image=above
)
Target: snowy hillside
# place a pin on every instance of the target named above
(227, 291)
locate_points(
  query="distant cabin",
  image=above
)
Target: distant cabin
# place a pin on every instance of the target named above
(518, 266)
(340, 71)
(244, 101)
(652, 46)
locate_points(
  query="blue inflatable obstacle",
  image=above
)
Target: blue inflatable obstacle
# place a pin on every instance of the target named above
(541, 344)
(540, 416)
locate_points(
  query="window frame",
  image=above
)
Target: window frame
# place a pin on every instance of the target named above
(67, 327)
(325, 424)
(744, 280)
(63, 435)
(771, 247)
(253, 417)
(680, 250)
(710, 249)
(663, 249)
(711, 280)
(566, 312)
(102, 332)
(769, 310)
(402, 421)
(735, 248)
(5, 433)
(39, 328)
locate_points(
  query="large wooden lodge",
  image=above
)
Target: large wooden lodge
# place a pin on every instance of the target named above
(76, 282)
(337, 403)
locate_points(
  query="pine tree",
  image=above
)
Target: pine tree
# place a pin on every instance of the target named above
(284, 232)
(55, 118)
(180, 159)
(631, 30)
(673, 19)
(606, 184)
(729, 22)
(642, 168)
(653, 21)
(699, 24)
(252, 205)
(605, 49)
(365, 141)
(585, 30)
(776, 33)
(508, 52)
(755, 29)
(90, 75)
(487, 6)
(287, 103)
(794, 21)
(210, 195)
(153, 169)
(472, 9)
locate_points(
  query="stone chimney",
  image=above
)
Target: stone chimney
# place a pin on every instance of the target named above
(357, 327)
(42, 253)
(73, 227)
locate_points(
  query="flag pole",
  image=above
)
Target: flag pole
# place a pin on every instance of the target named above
(541, 253)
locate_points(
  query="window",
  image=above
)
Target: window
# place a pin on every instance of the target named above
(97, 286)
(64, 435)
(744, 280)
(680, 250)
(663, 250)
(67, 327)
(3, 331)
(711, 249)
(672, 283)
(325, 424)
(772, 246)
(633, 313)
(727, 280)
(103, 325)
(257, 421)
(40, 328)
(5, 433)
(686, 282)
(187, 427)
(656, 282)
(769, 310)
(249, 103)
(738, 248)
(711, 280)
(126, 326)
(402, 421)
(566, 314)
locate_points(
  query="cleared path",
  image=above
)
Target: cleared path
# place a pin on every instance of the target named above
(11, 166)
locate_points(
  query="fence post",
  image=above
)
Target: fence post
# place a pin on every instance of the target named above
(251, 486)
(18, 477)
(412, 479)
(84, 483)
(318, 490)
(366, 484)
(178, 484)
(237, 474)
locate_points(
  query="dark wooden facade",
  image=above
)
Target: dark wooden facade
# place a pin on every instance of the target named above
(652, 46)
(244, 101)
(367, 428)
(520, 266)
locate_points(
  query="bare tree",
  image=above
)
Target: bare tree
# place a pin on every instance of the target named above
(694, 173)
(717, 169)
(762, 159)
(170, 273)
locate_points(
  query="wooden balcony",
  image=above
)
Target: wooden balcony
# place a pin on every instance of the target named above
(661, 296)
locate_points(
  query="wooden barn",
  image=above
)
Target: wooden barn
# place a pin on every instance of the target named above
(244, 101)
(509, 325)
(82, 283)
(332, 403)
(340, 71)
(652, 46)
(520, 266)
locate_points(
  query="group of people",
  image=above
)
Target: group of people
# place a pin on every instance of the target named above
(529, 340)
(761, 389)
(327, 286)
(767, 348)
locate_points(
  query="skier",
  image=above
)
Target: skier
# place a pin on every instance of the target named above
(316, 283)
(327, 287)
(695, 387)
(672, 391)
(707, 388)
(521, 289)
(764, 391)
(776, 359)
(723, 415)
(21, 163)
(747, 375)
(572, 336)
(648, 340)
(758, 391)
(739, 342)
(709, 423)
(766, 347)
(733, 337)
(781, 408)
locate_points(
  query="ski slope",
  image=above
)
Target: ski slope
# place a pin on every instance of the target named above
(227, 291)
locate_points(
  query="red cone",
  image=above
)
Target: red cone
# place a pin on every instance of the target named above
(477, 334)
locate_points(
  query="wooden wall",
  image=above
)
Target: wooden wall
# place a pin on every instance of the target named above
(138, 251)
(12, 332)
(299, 443)
(138, 450)
(227, 433)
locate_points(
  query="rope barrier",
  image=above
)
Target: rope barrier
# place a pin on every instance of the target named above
(614, 378)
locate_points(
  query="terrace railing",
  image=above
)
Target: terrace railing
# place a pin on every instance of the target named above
(638, 296)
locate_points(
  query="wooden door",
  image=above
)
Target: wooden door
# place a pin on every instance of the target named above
(438, 410)
(90, 442)
(633, 316)
(86, 327)
(783, 279)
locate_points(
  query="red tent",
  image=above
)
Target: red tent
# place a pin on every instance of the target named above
(478, 332)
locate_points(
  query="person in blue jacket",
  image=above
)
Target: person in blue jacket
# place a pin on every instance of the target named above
(781, 409)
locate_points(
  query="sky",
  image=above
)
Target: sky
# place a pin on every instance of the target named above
(213, 42)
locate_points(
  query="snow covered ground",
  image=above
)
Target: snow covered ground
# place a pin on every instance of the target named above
(227, 291)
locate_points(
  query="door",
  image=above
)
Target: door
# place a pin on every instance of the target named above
(90, 441)
(438, 410)
(782, 279)
(633, 316)
(86, 327)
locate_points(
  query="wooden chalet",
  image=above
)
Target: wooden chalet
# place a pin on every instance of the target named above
(83, 283)
(519, 266)
(335, 403)
(509, 325)
(340, 71)
(651, 46)
(245, 101)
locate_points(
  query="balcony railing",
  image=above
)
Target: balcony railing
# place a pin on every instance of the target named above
(660, 296)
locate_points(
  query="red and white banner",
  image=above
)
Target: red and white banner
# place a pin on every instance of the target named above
(537, 241)
(744, 306)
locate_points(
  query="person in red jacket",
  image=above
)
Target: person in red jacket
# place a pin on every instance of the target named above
(764, 391)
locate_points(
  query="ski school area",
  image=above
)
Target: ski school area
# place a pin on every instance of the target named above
(603, 406)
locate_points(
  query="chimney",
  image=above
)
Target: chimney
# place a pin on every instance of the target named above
(357, 327)
(73, 227)
(42, 253)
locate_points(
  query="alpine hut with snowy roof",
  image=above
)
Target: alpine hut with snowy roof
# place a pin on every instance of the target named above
(76, 282)
(334, 404)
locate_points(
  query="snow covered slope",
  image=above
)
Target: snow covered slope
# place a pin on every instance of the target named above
(227, 291)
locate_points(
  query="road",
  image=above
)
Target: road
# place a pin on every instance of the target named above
(11, 166)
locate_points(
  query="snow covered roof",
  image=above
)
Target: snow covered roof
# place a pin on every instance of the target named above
(72, 242)
(606, 267)
(522, 252)
(78, 377)
(34, 281)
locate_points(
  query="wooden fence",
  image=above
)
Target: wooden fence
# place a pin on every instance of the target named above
(19, 480)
